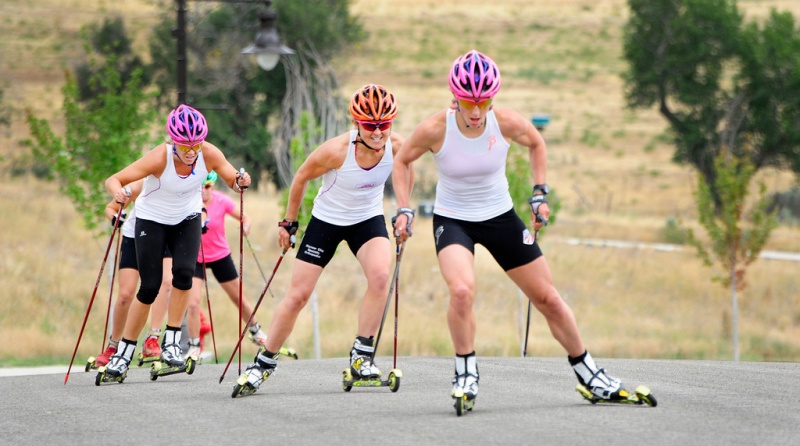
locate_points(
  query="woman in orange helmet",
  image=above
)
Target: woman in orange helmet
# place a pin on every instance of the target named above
(354, 167)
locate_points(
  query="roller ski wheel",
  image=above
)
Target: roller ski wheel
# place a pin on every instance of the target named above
(90, 365)
(462, 403)
(103, 377)
(161, 369)
(641, 396)
(243, 387)
(392, 381)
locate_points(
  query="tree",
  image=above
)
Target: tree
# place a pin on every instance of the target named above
(716, 81)
(736, 237)
(238, 98)
(105, 40)
(103, 135)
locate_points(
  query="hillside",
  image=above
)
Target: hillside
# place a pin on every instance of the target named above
(609, 167)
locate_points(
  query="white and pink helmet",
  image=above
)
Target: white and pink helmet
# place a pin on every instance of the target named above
(186, 125)
(474, 76)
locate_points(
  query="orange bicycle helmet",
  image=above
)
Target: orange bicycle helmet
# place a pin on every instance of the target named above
(373, 103)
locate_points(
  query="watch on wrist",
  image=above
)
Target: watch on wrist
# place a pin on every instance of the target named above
(543, 188)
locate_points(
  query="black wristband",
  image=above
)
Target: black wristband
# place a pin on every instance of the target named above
(290, 226)
(543, 188)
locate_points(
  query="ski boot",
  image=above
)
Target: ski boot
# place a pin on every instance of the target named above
(194, 351)
(171, 361)
(363, 372)
(117, 368)
(255, 374)
(150, 352)
(94, 363)
(259, 338)
(596, 386)
(465, 383)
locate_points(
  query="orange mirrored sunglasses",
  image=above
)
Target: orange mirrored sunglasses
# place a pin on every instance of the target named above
(470, 104)
(196, 147)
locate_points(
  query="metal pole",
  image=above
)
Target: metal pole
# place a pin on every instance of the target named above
(180, 35)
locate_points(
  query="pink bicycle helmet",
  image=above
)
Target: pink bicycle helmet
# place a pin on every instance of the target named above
(474, 76)
(186, 125)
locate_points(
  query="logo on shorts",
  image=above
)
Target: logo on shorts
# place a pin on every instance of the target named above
(527, 238)
(142, 234)
(438, 232)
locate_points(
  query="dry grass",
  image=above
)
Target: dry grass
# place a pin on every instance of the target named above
(608, 166)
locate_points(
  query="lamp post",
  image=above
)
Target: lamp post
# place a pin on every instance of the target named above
(267, 47)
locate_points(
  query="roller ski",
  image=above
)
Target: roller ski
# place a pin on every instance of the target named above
(259, 338)
(171, 360)
(171, 363)
(597, 386)
(392, 382)
(150, 353)
(363, 372)
(103, 376)
(252, 378)
(465, 390)
(461, 402)
(641, 396)
(95, 363)
(160, 368)
(117, 368)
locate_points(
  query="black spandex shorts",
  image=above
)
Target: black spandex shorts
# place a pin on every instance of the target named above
(127, 254)
(223, 269)
(505, 237)
(321, 239)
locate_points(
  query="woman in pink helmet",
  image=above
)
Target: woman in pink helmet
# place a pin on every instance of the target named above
(470, 143)
(168, 216)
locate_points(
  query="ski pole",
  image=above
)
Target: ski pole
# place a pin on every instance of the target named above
(111, 291)
(257, 262)
(530, 305)
(396, 309)
(241, 257)
(398, 257)
(253, 314)
(208, 301)
(94, 293)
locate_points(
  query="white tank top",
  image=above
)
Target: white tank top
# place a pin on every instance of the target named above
(472, 173)
(352, 194)
(129, 225)
(171, 198)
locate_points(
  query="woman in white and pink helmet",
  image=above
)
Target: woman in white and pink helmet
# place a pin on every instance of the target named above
(167, 216)
(470, 143)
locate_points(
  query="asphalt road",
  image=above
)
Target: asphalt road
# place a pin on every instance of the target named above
(522, 401)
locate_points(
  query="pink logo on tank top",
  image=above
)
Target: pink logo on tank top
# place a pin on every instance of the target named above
(492, 140)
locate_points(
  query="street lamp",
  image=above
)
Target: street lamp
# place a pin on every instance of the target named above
(267, 47)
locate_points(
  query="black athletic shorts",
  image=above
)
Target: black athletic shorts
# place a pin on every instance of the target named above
(321, 239)
(505, 237)
(224, 269)
(127, 254)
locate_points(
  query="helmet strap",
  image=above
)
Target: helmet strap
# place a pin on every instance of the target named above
(175, 151)
(458, 108)
(359, 139)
